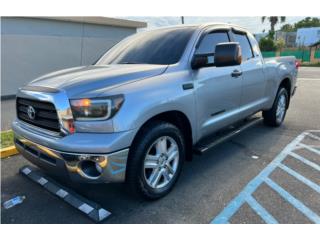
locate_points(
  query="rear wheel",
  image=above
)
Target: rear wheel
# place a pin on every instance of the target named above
(275, 116)
(155, 160)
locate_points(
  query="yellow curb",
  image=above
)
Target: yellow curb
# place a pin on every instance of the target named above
(8, 151)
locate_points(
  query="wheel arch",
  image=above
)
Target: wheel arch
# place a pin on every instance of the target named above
(177, 118)
(286, 83)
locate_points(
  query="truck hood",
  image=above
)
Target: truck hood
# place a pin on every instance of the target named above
(89, 81)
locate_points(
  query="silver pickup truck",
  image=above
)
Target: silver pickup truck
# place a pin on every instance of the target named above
(148, 103)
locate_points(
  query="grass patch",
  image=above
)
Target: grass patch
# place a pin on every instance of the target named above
(6, 139)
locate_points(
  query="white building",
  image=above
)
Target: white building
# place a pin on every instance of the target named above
(307, 36)
(31, 47)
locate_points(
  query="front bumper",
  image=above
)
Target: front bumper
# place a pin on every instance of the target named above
(80, 167)
(94, 153)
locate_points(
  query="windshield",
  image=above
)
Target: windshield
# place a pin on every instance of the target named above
(164, 47)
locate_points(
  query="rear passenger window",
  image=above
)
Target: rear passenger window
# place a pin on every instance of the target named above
(208, 44)
(245, 46)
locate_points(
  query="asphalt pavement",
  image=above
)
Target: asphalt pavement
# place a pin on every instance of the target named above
(211, 184)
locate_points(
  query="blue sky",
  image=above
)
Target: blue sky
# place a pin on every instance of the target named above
(253, 24)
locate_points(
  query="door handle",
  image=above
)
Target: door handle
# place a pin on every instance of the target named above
(236, 73)
(187, 86)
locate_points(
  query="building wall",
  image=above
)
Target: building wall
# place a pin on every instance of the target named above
(308, 36)
(31, 47)
(288, 37)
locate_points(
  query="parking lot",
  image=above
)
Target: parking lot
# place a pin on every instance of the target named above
(262, 175)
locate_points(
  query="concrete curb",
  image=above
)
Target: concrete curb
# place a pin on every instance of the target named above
(8, 151)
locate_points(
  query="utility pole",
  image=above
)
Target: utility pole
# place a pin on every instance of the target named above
(182, 20)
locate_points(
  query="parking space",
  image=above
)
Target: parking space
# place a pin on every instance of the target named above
(279, 166)
(278, 176)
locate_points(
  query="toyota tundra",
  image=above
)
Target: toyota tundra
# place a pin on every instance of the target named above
(149, 103)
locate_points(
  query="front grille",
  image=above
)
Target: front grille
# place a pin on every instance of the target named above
(45, 114)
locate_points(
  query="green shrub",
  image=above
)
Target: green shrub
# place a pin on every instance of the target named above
(267, 44)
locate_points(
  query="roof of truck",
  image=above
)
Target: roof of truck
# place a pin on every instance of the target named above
(200, 26)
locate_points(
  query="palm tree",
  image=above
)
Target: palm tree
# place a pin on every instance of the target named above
(273, 21)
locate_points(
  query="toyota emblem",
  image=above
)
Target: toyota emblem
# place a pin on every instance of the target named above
(31, 112)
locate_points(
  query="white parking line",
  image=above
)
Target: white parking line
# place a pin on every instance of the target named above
(303, 179)
(310, 148)
(314, 136)
(305, 161)
(293, 201)
(245, 196)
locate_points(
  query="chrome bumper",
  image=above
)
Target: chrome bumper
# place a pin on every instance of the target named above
(91, 168)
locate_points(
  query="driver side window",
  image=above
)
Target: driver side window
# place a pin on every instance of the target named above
(208, 44)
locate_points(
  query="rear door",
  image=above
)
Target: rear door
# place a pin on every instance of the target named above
(217, 92)
(254, 82)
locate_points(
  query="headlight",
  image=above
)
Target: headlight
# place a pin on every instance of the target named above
(96, 108)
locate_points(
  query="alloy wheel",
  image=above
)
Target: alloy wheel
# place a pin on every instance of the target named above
(161, 162)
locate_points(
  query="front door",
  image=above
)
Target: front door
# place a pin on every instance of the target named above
(218, 93)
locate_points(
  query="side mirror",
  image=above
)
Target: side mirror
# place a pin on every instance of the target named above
(199, 61)
(227, 54)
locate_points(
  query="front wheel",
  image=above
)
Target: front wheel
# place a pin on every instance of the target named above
(275, 116)
(155, 160)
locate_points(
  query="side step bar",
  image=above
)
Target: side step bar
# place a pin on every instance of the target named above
(224, 135)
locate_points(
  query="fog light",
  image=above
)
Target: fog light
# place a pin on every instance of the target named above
(91, 158)
(89, 169)
(91, 166)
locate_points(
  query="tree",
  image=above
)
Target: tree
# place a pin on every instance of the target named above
(267, 44)
(273, 22)
(304, 23)
(307, 22)
(287, 28)
(280, 44)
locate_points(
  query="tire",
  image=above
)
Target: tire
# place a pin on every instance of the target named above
(143, 173)
(275, 116)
